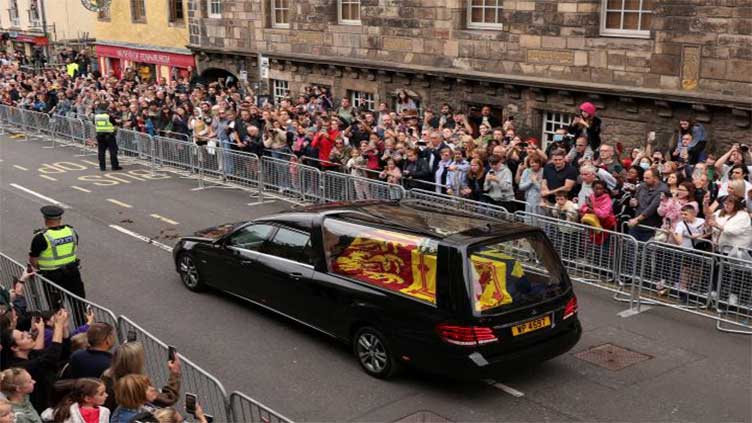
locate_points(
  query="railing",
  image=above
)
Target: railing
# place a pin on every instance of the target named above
(709, 284)
(41, 294)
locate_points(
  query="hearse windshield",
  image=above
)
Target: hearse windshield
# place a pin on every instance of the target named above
(513, 273)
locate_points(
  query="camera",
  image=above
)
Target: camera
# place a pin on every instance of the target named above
(744, 148)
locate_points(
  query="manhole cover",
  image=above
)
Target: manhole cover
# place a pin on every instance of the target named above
(423, 417)
(612, 357)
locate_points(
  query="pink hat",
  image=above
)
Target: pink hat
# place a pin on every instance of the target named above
(588, 108)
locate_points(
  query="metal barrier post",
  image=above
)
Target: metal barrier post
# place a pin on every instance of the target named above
(260, 183)
(247, 410)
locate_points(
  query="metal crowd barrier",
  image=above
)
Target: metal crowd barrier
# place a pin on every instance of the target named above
(637, 272)
(342, 187)
(40, 292)
(246, 409)
(450, 202)
(605, 259)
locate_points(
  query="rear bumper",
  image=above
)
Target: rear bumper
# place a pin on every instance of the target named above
(459, 363)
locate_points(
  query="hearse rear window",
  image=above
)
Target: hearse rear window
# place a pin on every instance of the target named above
(514, 273)
(396, 261)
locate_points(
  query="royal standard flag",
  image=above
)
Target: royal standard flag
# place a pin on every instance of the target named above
(391, 260)
(494, 274)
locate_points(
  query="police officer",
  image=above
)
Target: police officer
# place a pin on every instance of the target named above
(53, 252)
(105, 127)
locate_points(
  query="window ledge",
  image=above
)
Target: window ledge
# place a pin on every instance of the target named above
(349, 22)
(646, 35)
(485, 27)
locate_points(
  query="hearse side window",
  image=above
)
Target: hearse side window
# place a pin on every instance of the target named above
(250, 237)
(291, 245)
(396, 261)
(514, 273)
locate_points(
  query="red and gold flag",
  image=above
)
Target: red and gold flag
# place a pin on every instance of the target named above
(391, 260)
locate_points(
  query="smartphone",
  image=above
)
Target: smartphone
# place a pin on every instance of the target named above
(89, 310)
(651, 136)
(29, 269)
(131, 335)
(171, 353)
(190, 403)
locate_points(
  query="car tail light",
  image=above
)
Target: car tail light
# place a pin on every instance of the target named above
(571, 308)
(466, 335)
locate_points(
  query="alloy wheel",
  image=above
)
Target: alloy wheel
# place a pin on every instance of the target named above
(372, 353)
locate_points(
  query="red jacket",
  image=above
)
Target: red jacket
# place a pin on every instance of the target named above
(324, 143)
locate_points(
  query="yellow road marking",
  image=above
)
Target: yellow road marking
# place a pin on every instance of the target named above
(20, 167)
(80, 189)
(48, 177)
(120, 203)
(164, 219)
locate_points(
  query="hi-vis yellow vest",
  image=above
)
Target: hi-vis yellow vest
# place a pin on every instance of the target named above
(61, 248)
(71, 69)
(102, 123)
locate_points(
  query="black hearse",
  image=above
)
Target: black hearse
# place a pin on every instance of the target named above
(399, 282)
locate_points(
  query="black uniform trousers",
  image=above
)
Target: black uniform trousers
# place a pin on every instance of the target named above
(68, 278)
(106, 141)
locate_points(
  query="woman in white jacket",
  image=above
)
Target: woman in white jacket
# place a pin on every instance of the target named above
(84, 404)
(732, 225)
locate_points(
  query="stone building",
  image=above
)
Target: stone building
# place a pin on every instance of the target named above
(644, 63)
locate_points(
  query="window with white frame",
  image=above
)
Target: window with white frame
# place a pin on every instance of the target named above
(484, 14)
(13, 13)
(280, 90)
(34, 17)
(348, 12)
(551, 122)
(280, 13)
(627, 18)
(363, 100)
(215, 8)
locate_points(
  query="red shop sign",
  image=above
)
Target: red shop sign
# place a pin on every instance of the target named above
(146, 56)
(40, 41)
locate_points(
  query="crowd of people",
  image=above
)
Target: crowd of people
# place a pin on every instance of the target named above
(681, 193)
(52, 372)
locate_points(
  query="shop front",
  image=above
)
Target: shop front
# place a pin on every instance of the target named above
(25, 43)
(149, 63)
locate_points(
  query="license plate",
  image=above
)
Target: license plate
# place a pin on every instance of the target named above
(531, 325)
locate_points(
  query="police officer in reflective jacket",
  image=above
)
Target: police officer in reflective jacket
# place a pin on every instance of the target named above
(105, 127)
(53, 252)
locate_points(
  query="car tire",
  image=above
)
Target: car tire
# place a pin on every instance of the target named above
(189, 273)
(374, 354)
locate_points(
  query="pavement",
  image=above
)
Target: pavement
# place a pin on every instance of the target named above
(689, 371)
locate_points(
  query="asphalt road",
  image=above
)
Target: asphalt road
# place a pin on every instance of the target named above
(694, 373)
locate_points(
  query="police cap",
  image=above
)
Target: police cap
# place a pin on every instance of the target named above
(52, 212)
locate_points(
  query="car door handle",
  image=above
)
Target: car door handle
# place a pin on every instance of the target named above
(246, 262)
(295, 275)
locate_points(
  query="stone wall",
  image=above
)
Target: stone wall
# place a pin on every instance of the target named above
(550, 56)
(695, 46)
